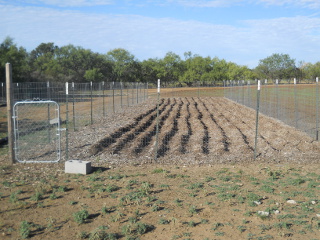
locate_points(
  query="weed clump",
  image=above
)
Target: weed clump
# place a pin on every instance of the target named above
(25, 229)
(80, 216)
(136, 229)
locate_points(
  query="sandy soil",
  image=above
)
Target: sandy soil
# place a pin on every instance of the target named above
(202, 186)
(205, 131)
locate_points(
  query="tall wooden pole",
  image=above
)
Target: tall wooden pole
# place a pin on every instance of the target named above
(10, 112)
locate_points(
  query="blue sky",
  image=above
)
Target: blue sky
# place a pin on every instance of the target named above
(241, 31)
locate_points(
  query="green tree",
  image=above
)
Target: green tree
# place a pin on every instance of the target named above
(75, 61)
(17, 57)
(197, 69)
(311, 71)
(170, 68)
(93, 75)
(68, 63)
(237, 72)
(149, 70)
(220, 70)
(43, 62)
(124, 65)
(276, 66)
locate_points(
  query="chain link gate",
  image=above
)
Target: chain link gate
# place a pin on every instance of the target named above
(37, 131)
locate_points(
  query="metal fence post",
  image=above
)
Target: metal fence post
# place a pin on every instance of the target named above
(73, 108)
(48, 122)
(128, 99)
(2, 92)
(242, 88)
(67, 120)
(103, 101)
(147, 90)
(121, 92)
(91, 106)
(18, 95)
(277, 98)
(137, 86)
(257, 121)
(157, 127)
(113, 107)
(132, 92)
(231, 90)
(239, 93)
(248, 94)
(265, 103)
(224, 88)
(295, 103)
(317, 109)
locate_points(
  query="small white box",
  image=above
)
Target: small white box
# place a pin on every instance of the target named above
(77, 166)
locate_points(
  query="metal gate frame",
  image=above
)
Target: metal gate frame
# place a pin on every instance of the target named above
(55, 121)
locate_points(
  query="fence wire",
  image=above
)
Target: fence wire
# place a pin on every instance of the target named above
(80, 104)
(37, 131)
(86, 101)
(296, 105)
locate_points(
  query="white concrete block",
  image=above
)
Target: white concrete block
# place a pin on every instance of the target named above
(78, 166)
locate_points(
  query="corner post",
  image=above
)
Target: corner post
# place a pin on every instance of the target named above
(10, 113)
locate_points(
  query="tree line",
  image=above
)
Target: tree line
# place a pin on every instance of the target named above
(49, 62)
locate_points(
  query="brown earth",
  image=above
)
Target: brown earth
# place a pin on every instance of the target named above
(205, 183)
(169, 202)
(206, 130)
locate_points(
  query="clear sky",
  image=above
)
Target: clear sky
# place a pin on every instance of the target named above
(241, 31)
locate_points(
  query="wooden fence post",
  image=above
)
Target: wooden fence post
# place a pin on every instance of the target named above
(10, 112)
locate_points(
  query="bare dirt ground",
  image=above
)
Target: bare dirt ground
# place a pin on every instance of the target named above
(203, 131)
(205, 183)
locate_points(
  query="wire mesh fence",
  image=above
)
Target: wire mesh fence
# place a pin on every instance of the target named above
(79, 104)
(201, 130)
(296, 104)
(86, 103)
(37, 131)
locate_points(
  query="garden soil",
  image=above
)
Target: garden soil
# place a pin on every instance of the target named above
(191, 181)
